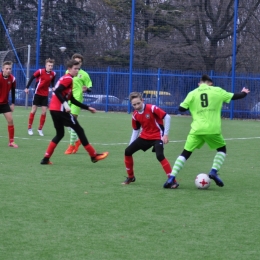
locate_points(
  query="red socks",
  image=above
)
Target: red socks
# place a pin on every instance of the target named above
(50, 149)
(42, 121)
(31, 118)
(129, 165)
(90, 149)
(11, 133)
(166, 166)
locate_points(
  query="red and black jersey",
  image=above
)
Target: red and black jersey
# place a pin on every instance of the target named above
(6, 84)
(151, 121)
(67, 82)
(43, 80)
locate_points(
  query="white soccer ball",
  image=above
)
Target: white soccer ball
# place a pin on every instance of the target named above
(202, 181)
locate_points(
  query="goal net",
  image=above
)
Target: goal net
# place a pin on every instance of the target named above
(2, 56)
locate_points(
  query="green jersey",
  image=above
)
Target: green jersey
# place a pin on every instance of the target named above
(205, 105)
(82, 79)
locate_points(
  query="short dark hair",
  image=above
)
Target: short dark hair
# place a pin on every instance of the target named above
(71, 63)
(7, 63)
(205, 78)
(135, 95)
(77, 56)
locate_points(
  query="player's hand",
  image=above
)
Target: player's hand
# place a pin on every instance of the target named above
(12, 107)
(67, 110)
(246, 90)
(26, 90)
(165, 139)
(84, 88)
(92, 109)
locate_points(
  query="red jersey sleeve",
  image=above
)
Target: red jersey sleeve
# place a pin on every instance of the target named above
(135, 124)
(66, 81)
(37, 73)
(159, 112)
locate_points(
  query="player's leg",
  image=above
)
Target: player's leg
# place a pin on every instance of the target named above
(10, 125)
(59, 126)
(74, 124)
(31, 118)
(73, 145)
(43, 117)
(74, 139)
(217, 142)
(159, 150)
(129, 162)
(192, 142)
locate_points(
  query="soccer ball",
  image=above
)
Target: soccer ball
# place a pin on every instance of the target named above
(202, 181)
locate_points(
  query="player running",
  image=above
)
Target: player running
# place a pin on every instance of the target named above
(44, 78)
(61, 116)
(205, 103)
(81, 83)
(154, 134)
(7, 84)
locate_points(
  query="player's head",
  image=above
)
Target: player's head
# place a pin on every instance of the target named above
(49, 64)
(7, 68)
(206, 79)
(73, 67)
(136, 100)
(210, 82)
(78, 57)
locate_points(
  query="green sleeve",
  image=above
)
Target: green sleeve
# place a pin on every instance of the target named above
(87, 81)
(226, 96)
(186, 103)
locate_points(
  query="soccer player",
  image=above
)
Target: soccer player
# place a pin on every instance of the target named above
(205, 103)
(44, 78)
(155, 124)
(81, 82)
(61, 116)
(7, 83)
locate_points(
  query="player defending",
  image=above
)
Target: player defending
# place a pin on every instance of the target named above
(81, 82)
(44, 78)
(61, 116)
(205, 103)
(154, 134)
(7, 83)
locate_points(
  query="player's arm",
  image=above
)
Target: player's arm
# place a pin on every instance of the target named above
(29, 83)
(240, 95)
(77, 103)
(63, 100)
(184, 106)
(182, 109)
(13, 94)
(53, 82)
(87, 84)
(167, 124)
(136, 130)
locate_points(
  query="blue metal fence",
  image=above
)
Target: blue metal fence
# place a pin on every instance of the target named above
(114, 82)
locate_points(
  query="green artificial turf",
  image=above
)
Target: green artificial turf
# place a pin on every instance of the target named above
(75, 209)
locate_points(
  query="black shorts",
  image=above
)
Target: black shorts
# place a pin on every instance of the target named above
(41, 101)
(143, 144)
(63, 119)
(5, 108)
